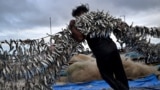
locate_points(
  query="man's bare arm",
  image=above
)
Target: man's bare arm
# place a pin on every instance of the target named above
(77, 35)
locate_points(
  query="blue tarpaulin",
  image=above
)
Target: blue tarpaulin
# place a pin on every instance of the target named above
(134, 55)
(150, 81)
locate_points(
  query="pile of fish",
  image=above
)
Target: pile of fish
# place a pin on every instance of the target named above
(101, 24)
(36, 64)
(136, 39)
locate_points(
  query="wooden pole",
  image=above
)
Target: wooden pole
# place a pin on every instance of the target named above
(50, 26)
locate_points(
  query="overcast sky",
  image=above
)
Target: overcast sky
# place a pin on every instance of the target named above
(29, 19)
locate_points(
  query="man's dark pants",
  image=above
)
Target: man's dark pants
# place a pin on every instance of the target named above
(109, 62)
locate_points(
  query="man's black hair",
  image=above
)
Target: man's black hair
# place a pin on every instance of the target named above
(79, 9)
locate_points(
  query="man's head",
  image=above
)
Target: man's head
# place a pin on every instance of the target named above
(80, 10)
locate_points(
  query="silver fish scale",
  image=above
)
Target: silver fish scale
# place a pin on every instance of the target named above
(97, 22)
(32, 62)
(101, 24)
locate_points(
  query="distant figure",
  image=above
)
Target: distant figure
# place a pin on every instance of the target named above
(105, 51)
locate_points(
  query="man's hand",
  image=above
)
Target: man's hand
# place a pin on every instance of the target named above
(76, 34)
(71, 24)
